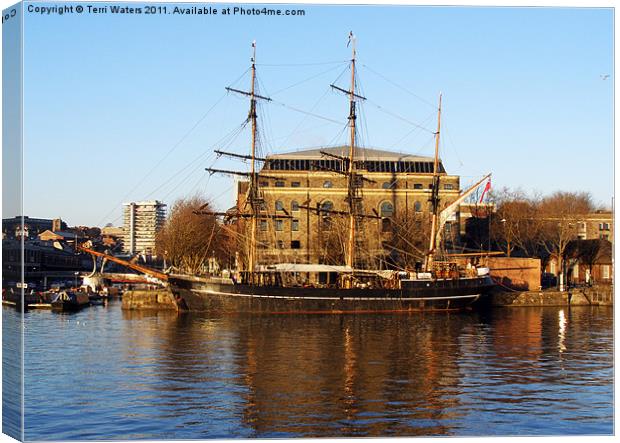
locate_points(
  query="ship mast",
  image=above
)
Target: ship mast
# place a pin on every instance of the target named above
(254, 198)
(253, 191)
(434, 196)
(354, 180)
(352, 194)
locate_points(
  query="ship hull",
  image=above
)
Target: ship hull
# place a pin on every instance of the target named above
(419, 295)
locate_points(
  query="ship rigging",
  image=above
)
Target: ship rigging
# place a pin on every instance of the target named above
(259, 287)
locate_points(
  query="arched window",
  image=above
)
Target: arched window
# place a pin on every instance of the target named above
(327, 206)
(279, 205)
(417, 206)
(327, 184)
(294, 205)
(387, 209)
(389, 185)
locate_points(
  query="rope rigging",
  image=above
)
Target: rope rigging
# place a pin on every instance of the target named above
(402, 88)
(170, 151)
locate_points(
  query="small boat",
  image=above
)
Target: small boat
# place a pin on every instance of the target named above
(96, 298)
(70, 301)
(43, 301)
(17, 299)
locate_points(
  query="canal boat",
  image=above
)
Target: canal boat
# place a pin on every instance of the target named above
(70, 301)
(29, 299)
(96, 299)
(276, 288)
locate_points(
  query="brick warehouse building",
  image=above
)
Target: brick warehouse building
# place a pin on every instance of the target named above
(400, 189)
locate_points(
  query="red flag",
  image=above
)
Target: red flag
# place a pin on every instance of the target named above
(486, 188)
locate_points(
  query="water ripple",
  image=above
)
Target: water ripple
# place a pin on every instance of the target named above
(105, 374)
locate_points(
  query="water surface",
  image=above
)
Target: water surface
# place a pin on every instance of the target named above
(104, 373)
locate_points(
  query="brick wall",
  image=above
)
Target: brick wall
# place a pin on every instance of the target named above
(516, 273)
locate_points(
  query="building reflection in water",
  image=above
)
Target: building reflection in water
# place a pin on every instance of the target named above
(320, 375)
(340, 375)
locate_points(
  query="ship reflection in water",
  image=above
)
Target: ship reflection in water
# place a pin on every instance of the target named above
(103, 373)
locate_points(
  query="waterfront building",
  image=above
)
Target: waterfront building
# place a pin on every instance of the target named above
(29, 228)
(598, 224)
(49, 235)
(590, 261)
(142, 220)
(40, 260)
(112, 231)
(112, 236)
(396, 188)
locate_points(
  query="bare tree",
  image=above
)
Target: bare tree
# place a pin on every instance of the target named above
(409, 239)
(188, 239)
(559, 215)
(334, 234)
(516, 224)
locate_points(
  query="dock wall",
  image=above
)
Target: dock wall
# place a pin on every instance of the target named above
(162, 299)
(595, 295)
(152, 299)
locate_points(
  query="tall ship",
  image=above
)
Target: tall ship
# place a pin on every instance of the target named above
(356, 284)
(345, 276)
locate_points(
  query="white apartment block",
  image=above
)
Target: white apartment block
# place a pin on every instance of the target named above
(142, 220)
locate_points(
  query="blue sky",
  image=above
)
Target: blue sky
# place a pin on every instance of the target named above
(108, 98)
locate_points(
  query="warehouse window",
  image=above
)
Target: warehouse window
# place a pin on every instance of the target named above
(295, 225)
(294, 205)
(417, 186)
(280, 184)
(295, 244)
(295, 184)
(326, 221)
(417, 206)
(279, 225)
(327, 184)
(386, 225)
(279, 205)
(387, 209)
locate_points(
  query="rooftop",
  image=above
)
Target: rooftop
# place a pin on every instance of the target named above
(146, 203)
(343, 151)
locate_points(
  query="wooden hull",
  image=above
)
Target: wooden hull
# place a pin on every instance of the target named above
(194, 294)
(70, 302)
(68, 306)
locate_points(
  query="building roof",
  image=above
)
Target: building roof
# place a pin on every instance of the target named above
(146, 203)
(18, 219)
(343, 151)
(112, 230)
(63, 234)
(599, 215)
